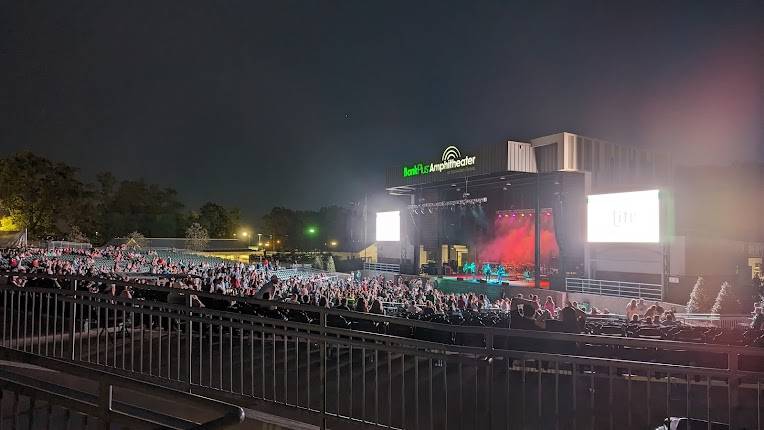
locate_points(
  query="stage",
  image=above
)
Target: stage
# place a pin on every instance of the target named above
(476, 284)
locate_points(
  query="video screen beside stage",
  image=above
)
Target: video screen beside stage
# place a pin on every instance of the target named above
(632, 217)
(388, 226)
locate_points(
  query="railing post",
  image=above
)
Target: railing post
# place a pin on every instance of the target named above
(322, 317)
(72, 319)
(105, 394)
(189, 342)
(733, 384)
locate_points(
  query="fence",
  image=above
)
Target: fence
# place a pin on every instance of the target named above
(34, 402)
(632, 290)
(53, 244)
(386, 372)
(382, 267)
(715, 320)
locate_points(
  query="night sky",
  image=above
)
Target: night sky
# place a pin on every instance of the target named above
(256, 104)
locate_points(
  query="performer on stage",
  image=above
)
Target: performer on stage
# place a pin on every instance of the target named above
(487, 271)
(500, 273)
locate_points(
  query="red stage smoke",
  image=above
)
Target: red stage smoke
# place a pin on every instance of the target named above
(512, 244)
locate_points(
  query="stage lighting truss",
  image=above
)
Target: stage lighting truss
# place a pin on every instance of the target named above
(514, 213)
(428, 208)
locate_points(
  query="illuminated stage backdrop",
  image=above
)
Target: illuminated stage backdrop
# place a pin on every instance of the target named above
(512, 243)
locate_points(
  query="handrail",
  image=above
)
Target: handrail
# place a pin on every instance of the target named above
(382, 267)
(244, 345)
(455, 329)
(230, 414)
(624, 289)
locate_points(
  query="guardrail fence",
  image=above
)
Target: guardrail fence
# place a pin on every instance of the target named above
(29, 401)
(382, 267)
(632, 290)
(715, 320)
(346, 369)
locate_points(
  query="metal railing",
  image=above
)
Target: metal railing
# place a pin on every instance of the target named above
(715, 320)
(382, 267)
(34, 402)
(53, 244)
(632, 290)
(338, 367)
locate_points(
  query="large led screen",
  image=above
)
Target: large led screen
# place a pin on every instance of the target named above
(388, 226)
(632, 217)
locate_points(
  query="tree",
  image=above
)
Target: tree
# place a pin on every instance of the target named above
(700, 299)
(317, 263)
(40, 195)
(138, 206)
(75, 235)
(727, 301)
(221, 223)
(197, 237)
(330, 264)
(136, 240)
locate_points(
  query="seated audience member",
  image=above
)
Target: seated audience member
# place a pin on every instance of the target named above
(650, 312)
(360, 306)
(376, 307)
(541, 317)
(413, 308)
(757, 323)
(641, 307)
(631, 310)
(669, 319)
(518, 320)
(549, 305)
(569, 318)
(343, 305)
(659, 310)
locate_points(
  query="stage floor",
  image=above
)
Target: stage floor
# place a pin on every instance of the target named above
(460, 284)
(479, 279)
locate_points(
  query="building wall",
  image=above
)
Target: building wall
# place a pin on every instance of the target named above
(614, 167)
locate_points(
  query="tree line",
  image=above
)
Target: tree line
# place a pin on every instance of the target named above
(49, 199)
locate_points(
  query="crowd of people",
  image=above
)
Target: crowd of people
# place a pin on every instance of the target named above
(416, 298)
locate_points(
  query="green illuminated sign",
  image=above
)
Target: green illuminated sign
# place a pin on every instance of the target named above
(451, 159)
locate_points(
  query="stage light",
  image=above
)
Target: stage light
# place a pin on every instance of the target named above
(522, 214)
